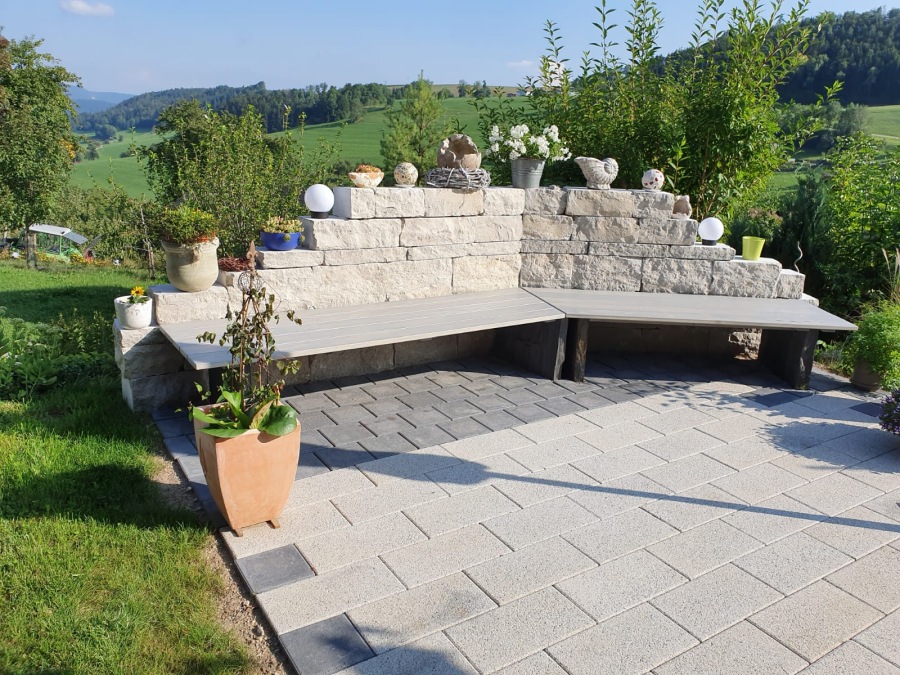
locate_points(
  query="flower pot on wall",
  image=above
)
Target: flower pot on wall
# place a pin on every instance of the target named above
(133, 315)
(751, 247)
(280, 241)
(192, 267)
(526, 173)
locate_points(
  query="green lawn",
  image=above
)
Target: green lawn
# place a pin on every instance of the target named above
(884, 122)
(97, 573)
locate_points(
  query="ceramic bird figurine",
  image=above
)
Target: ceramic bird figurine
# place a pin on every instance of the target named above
(682, 208)
(598, 172)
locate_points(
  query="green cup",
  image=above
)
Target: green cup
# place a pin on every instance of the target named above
(751, 247)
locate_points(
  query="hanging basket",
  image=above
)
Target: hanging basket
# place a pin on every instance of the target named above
(467, 180)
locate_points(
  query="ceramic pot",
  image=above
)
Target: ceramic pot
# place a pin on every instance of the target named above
(192, 267)
(366, 180)
(133, 315)
(864, 377)
(280, 241)
(249, 476)
(751, 247)
(526, 173)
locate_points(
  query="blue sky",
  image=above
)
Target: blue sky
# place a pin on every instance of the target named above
(133, 46)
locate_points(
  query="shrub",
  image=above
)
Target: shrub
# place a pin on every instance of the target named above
(890, 413)
(878, 342)
(186, 225)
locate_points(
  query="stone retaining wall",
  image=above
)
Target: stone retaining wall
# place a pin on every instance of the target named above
(386, 244)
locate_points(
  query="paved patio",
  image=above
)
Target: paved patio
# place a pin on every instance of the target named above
(664, 516)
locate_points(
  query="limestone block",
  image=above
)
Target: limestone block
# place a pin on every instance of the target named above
(395, 202)
(146, 360)
(144, 394)
(442, 202)
(790, 284)
(460, 250)
(364, 255)
(137, 337)
(173, 306)
(607, 273)
(540, 270)
(546, 200)
(653, 204)
(460, 230)
(609, 203)
(417, 352)
(227, 279)
(336, 234)
(299, 257)
(503, 201)
(543, 246)
(629, 250)
(351, 362)
(542, 226)
(494, 248)
(606, 229)
(746, 278)
(493, 228)
(485, 273)
(476, 343)
(672, 275)
(701, 252)
(354, 202)
(677, 231)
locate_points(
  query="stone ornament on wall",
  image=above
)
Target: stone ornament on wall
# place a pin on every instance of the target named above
(653, 180)
(406, 175)
(599, 173)
(682, 208)
(458, 152)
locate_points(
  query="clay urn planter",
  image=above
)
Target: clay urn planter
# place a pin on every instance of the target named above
(189, 240)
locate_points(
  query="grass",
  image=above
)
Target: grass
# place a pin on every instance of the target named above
(884, 123)
(97, 573)
(125, 170)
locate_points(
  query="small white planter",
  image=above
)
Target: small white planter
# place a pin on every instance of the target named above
(133, 315)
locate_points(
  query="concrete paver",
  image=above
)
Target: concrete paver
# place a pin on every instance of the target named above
(851, 657)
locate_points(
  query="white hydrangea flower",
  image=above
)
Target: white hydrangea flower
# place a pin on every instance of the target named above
(519, 131)
(514, 155)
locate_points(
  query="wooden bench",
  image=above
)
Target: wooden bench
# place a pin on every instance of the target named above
(790, 328)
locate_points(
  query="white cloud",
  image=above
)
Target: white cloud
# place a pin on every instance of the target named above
(518, 65)
(85, 8)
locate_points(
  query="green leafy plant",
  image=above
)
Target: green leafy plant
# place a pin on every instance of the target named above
(249, 397)
(890, 413)
(186, 225)
(137, 296)
(519, 141)
(878, 342)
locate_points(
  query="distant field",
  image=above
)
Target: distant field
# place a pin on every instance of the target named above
(884, 122)
(125, 170)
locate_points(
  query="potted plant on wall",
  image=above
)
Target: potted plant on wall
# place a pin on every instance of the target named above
(249, 441)
(875, 348)
(526, 151)
(189, 240)
(134, 310)
(281, 234)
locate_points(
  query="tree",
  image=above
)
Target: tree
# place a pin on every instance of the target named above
(37, 146)
(461, 89)
(105, 132)
(414, 128)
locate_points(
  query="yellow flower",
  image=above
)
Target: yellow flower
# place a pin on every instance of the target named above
(137, 291)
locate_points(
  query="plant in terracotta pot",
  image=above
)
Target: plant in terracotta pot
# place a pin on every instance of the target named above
(875, 348)
(189, 240)
(134, 310)
(281, 234)
(249, 441)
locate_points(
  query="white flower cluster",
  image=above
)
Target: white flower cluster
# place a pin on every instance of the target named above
(522, 143)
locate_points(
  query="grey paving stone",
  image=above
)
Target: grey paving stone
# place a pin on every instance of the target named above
(327, 486)
(873, 579)
(680, 444)
(165, 413)
(553, 453)
(349, 454)
(461, 510)
(880, 472)
(816, 619)
(694, 507)
(589, 400)
(489, 402)
(417, 384)
(632, 642)
(741, 650)
(498, 420)
(744, 453)
(465, 476)
(273, 568)
(323, 596)
(420, 400)
(887, 505)
(382, 390)
(771, 397)
(180, 446)
(793, 562)
(443, 555)
(620, 495)
(348, 545)
(613, 415)
(348, 413)
(881, 638)
(758, 483)
(347, 397)
(829, 402)
(390, 497)
(387, 425)
(483, 387)
(345, 433)
(350, 381)
(432, 655)
(447, 378)
(464, 428)
(834, 494)
(413, 371)
(325, 647)
(618, 436)
(544, 485)
(315, 419)
(561, 406)
(531, 412)
(677, 420)
(511, 382)
(175, 426)
(190, 464)
(774, 518)
(318, 386)
(704, 548)
(856, 532)
(548, 390)
(529, 569)
(521, 396)
(490, 444)
(386, 445)
(386, 406)
(454, 393)
(427, 436)
(511, 632)
(309, 465)
(457, 409)
(409, 464)
(541, 521)
(423, 417)
(851, 657)
(201, 490)
(620, 534)
(310, 402)
(865, 443)
(709, 604)
(620, 584)
(688, 472)
(604, 466)
(733, 428)
(398, 619)
(536, 664)
(616, 394)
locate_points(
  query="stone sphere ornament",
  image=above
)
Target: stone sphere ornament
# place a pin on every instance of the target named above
(710, 231)
(406, 175)
(653, 180)
(458, 152)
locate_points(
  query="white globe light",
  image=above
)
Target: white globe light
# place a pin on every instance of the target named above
(319, 199)
(711, 230)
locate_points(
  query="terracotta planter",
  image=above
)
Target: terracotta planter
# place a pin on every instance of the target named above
(250, 476)
(864, 377)
(192, 267)
(133, 315)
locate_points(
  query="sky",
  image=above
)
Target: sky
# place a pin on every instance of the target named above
(134, 46)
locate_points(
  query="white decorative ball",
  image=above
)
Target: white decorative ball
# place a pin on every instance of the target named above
(653, 180)
(406, 174)
(319, 199)
(711, 230)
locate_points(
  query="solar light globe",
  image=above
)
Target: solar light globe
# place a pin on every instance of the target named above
(711, 230)
(319, 199)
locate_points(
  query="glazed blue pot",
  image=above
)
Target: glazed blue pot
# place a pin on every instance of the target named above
(280, 241)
